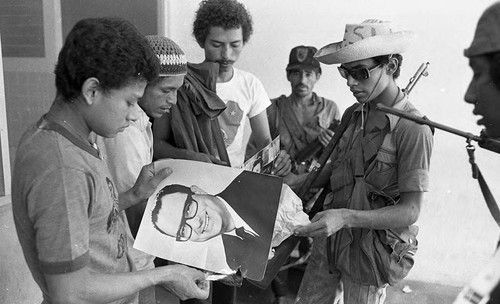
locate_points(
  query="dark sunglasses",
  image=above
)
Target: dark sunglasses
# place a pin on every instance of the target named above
(358, 74)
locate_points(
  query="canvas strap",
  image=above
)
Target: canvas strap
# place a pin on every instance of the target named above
(294, 129)
(325, 155)
(488, 196)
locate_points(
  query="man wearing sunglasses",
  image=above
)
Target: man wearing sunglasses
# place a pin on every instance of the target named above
(378, 175)
(237, 215)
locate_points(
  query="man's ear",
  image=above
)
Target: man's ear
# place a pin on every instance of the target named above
(318, 76)
(392, 66)
(197, 190)
(90, 90)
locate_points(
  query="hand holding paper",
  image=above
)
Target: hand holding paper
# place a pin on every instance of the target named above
(176, 276)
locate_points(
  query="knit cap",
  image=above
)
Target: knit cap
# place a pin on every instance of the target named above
(173, 61)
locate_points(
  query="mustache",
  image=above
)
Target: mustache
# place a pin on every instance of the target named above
(225, 62)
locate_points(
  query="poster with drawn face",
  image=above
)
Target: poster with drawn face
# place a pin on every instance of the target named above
(212, 217)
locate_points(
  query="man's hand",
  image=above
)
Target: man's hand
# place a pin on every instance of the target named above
(282, 166)
(294, 181)
(185, 282)
(325, 136)
(148, 180)
(206, 158)
(324, 224)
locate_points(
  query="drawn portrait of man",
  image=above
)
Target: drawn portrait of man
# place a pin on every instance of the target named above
(238, 219)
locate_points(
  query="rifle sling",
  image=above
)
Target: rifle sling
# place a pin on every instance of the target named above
(294, 129)
(325, 155)
(488, 196)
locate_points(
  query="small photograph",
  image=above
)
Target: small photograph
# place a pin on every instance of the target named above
(262, 161)
(212, 217)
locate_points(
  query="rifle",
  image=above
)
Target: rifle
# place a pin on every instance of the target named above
(479, 289)
(422, 71)
(314, 147)
(284, 249)
(483, 141)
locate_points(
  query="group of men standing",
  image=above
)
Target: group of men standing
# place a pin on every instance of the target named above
(83, 172)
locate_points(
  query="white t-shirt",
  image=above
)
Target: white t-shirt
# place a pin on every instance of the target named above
(244, 96)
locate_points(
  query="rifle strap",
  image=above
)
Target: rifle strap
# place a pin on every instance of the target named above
(297, 133)
(327, 151)
(488, 196)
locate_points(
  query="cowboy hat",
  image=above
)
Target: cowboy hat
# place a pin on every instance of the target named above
(367, 39)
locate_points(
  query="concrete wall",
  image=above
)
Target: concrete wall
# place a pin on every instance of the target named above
(141, 13)
(457, 234)
(29, 82)
(29, 90)
(16, 283)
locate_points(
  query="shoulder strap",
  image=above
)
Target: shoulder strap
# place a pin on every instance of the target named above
(488, 197)
(292, 124)
(275, 115)
(325, 155)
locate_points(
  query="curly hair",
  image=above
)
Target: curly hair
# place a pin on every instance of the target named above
(228, 14)
(109, 49)
(384, 59)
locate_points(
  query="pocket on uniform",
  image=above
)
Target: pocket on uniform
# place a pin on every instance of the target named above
(384, 172)
(395, 254)
(341, 176)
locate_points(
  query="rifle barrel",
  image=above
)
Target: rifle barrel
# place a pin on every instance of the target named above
(422, 71)
(428, 122)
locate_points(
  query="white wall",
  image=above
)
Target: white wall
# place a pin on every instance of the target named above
(457, 234)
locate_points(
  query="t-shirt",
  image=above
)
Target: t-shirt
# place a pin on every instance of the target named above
(125, 155)
(65, 207)
(244, 96)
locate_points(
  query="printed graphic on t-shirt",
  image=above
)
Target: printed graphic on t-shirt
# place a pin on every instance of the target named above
(113, 221)
(122, 244)
(230, 121)
(113, 215)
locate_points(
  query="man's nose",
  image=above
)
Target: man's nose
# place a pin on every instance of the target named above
(196, 222)
(133, 114)
(172, 98)
(226, 52)
(351, 81)
(470, 95)
(303, 78)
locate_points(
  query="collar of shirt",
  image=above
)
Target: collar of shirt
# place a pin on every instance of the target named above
(393, 119)
(317, 101)
(238, 221)
(143, 121)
